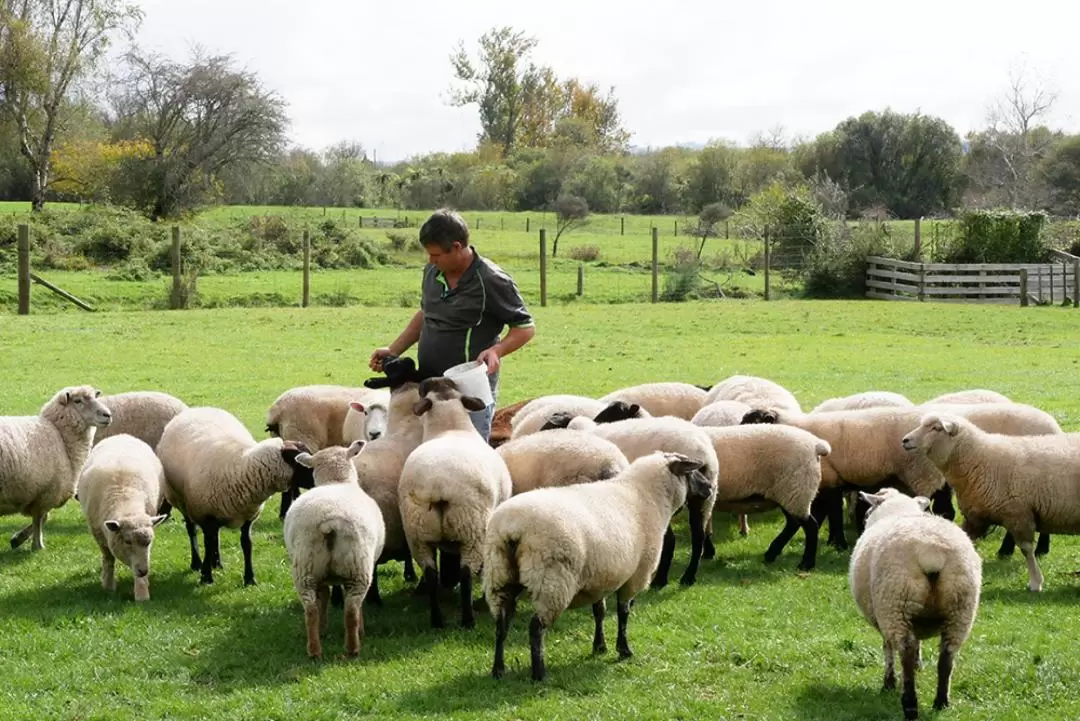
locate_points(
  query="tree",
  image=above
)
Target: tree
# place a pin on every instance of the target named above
(711, 176)
(710, 215)
(46, 47)
(201, 118)
(1061, 172)
(570, 212)
(498, 81)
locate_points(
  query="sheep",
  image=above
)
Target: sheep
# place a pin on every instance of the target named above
(217, 475)
(501, 422)
(120, 490)
(637, 437)
(533, 415)
(575, 545)
(762, 467)
(866, 450)
(379, 467)
(449, 486)
(142, 414)
(754, 392)
(913, 576)
(365, 421)
(314, 416)
(976, 395)
(41, 456)
(560, 458)
(334, 533)
(867, 399)
(681, 400)
(724, 413)
(1024, 483)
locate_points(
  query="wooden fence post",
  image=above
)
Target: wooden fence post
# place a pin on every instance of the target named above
(24, 269)
(306, 297)
(1023, 287)
(527, 225)
(655, 265)
(580, 279)
(727, 230)
(543, 266)
(918, 238)
(768, 263)
(622, 225)
(478, 223)
(922, 282)
(177, 299)
(676, 228)
(1076, 283)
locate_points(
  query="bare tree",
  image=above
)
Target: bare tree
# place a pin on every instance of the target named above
(570, 212)
(710, 215)
(201, 118)
(46, 46)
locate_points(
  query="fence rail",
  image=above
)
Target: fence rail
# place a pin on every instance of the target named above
(1009, 283)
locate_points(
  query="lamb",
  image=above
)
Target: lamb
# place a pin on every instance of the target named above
(536, 414)
(575, 545)
(637, 437)
(366, 420)
(120, 490)
(1025, 483)
(754, 392)
(867, 399)
(315, 417)
(560, 458)
(218, 476)
(866, 450)
(681, 400)
(41, 456)
(913, 576)
(449, 487)
(334, 533)
(142, 414)
(762, 467)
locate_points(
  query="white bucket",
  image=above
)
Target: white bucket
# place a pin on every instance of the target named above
(472, 380)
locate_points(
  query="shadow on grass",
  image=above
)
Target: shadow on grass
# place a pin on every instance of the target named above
(830, 702)
(1065, 591)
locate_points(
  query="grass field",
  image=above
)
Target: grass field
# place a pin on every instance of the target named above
(747, 642)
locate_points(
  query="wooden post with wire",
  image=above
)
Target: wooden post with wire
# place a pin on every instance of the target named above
(655, 265)
(305, 300)
(543, 268)
(24, 269)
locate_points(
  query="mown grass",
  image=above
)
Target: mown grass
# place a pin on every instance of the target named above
(747, 642)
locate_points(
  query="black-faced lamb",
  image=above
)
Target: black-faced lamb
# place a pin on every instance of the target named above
(913, 576)
(575, 545)
(753, 391)
(41, 456)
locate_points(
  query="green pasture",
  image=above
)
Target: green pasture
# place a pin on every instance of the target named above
(749, 641)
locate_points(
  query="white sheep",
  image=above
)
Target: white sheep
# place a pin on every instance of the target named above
(724, 413)
(1024, 483)
(975, 395)
(575, 545)
(41, 456)
(681, 400)
(449, 486)
(536, 414)
(764, 466)
(142, 414)
(560, 457)
(218, 476)
(366, 421)
(913, 576)
(867, 399)
(120, 491)
(637, 437)
(334, 533)
(753, 391)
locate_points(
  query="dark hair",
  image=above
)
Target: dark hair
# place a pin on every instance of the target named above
(444, 228)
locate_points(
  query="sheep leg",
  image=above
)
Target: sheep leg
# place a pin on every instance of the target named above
(505, 605)
(449, 568)
(710, 550)
(468, 618)
(1043, 547)
(697, 540)
(744, 525)
(667, 553)
(410, 570)
(599, 610)
(828, 506)
(889, 684)
(810, 530)
(21, 536)
(909, 662)
(944, 673)
(786, 533)
(1008, 546)
(621, 644)
(942, 503)
(354, 620)
(536, 648)
(108, 570)
(431, 582)
(287, 497)
(323, 596)
(210, 541)
(312, 623)
(1035, 577)
(38, 525)
(196, 562)
(245, 545)
(373, 596)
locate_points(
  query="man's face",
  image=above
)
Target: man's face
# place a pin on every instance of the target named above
(447, 261)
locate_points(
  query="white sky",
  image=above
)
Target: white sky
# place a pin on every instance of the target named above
(684, 70)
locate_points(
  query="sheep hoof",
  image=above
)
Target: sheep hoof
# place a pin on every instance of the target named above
(806, 566)
(599, 649)
(889, 685)
(250, 581)
(687, 581)
(911, 714)
(941, 703)
(498, 671)
(659, 582)
(1035, 588)
(771, 557)
(206, 580)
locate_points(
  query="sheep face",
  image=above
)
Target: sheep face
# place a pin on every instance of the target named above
(433, 390)
(889, 502)
(399, 371)
(689, 470)
(129, 540)
(560, 419)
(375, 421)
(302, 476)
(760, 416)
(332, 465)
(618, 411)
(934, 438)
(84, 401)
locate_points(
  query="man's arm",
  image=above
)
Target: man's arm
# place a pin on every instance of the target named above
(402, 343)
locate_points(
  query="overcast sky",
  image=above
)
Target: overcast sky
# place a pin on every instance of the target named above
(684, 71)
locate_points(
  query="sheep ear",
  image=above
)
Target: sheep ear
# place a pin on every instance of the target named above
(422, 406)
(924, 502)
(950, 427)
(304, 459)
(376, 382)
(67, 398)
(473, 404)
(634, 409)
(425, 387)
(354, 448)
(113, 526)
(358, 407)
(682, 466)
(97, 393)
(155, 520)
(872, 498)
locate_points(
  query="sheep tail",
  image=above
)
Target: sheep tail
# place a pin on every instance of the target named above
(329, 532)
(931, 560)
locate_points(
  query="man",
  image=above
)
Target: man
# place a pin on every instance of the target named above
(465, 301)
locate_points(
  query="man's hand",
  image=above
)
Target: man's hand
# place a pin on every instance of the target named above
(491, 358)
(377, 358)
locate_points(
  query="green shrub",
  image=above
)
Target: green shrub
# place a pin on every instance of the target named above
(998, 236)
(587, 253)
(683, 278)
(836, 267)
